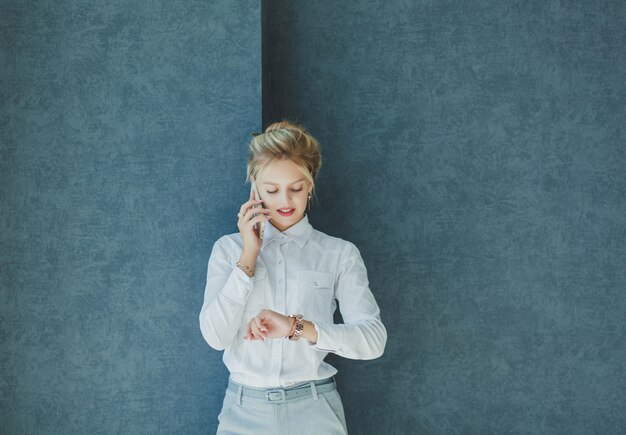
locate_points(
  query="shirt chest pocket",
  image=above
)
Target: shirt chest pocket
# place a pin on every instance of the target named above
(316, 294)
(256, 301)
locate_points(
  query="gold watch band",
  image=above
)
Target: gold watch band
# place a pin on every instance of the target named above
(297, 333)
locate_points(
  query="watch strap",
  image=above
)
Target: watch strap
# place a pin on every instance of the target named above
(299, 327)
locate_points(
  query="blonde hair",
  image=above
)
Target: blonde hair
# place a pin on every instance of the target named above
(281, 141)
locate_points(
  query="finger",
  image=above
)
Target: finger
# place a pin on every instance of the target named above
(253, 221)
(260, 320)
(246, 205)
(242, 213)
(250, 212)
(257, 335)
(254, 210)
(249, 222)
(251, 336)
(260, 326)
(262, 330)
(255, 331)
(250, 331)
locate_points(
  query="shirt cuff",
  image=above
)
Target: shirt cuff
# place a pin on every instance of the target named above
(329, 337)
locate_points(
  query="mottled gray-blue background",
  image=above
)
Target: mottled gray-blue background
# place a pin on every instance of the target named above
(473, 151)
(124, 129)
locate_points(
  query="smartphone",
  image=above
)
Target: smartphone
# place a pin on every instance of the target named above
(259, 226)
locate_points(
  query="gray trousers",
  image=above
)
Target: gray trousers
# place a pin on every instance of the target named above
(320, 413)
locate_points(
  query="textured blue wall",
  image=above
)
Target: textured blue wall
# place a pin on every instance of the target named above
(472, 150)
(123, 137)
(475, 152)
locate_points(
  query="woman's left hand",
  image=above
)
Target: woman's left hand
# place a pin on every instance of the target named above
(268, 324)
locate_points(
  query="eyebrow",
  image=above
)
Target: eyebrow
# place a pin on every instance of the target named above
(276, 184)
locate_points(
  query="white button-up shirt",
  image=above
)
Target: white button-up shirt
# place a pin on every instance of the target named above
(298, 271)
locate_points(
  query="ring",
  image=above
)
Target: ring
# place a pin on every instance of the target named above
(239, 215)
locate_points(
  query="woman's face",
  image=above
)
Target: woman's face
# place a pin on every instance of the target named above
(284, 187)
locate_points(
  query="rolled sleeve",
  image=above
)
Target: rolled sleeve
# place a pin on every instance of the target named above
(362, 335)
(226, 293)
(239, 290)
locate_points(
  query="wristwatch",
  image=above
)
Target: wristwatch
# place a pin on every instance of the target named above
(297, 333)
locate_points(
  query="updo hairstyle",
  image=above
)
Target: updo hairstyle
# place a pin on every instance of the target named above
(280, 141)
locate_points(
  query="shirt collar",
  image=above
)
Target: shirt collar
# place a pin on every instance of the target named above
(299, 232)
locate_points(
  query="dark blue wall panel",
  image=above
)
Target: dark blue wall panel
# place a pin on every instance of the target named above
(123, 136)
(474, 151)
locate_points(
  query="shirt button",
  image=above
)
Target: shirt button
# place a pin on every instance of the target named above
(280, 261)
(280, 281)
(315, 283)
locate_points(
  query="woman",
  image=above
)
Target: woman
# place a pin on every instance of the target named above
(269, 301)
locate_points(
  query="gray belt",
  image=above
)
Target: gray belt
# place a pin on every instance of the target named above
(283, 394)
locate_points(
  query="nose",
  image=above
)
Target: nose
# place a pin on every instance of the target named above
(285, 199)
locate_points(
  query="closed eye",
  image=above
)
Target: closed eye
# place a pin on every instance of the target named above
(293, 190)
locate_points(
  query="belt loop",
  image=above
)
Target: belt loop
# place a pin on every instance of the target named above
(313, 390)
(239, 393)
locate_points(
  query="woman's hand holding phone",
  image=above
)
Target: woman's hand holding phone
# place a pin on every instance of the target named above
(250, 236)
